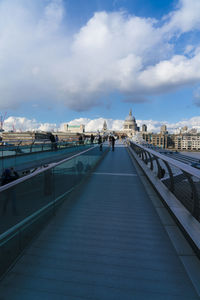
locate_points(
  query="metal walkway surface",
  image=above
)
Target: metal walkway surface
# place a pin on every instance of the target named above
(107, 242)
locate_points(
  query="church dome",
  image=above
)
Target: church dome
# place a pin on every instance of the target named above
(130, 125)
(130, 118)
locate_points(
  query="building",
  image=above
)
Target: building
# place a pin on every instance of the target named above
(105, 128)
(24, 137)
(144, 128)
(184, 129)
(180, 142)
(74, 128)
(159, 140)
(130, 127)
(163, 129)
(187, 142)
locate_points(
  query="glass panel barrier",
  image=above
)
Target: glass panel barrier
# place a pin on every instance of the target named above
(35, 157)
(24, 198)
(70, 173)
(182, 179)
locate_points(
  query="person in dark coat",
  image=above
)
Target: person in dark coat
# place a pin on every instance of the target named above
(100, 143)
(8, 176)
(99, 140)
(56, 142)
(91, 138)
(53, 141)
(113, 142)
(81, 140)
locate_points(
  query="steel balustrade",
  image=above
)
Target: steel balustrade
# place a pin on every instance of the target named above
(28, 202)
(13, 148)
(16, 152)
(181, 179)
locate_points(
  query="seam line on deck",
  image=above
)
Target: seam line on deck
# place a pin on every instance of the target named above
(115, 174)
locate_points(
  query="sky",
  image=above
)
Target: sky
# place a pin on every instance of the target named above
(86, 61)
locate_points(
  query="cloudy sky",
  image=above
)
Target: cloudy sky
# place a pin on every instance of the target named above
(83, 61)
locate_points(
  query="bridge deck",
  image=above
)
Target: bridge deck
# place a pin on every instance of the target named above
(107, 243)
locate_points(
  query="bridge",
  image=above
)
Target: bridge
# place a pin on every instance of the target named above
(102, 225)
(28, 158)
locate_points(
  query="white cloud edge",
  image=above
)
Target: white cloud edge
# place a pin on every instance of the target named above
(24, 124)
(77, 69)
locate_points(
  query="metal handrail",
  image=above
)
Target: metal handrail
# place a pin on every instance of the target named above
(52, 165)
(191, 199)
(34, 143)
(174, 162)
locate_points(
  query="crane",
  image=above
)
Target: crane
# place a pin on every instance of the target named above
(2, 119)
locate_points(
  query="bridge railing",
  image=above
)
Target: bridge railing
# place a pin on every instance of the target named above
(19, 156)
(27, 202)
(181, 179)
(16, 148)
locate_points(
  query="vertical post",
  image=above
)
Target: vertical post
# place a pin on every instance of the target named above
(172, 188)
(195, 209)
(151, 161)
(142, 153)
(159, 168)
(146, 158)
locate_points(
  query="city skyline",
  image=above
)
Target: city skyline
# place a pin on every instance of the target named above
(23, 124)
(88, 61)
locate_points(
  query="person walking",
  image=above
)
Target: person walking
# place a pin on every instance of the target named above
(8, 176)
(53, 141)
(56, 142)
(113, 142)
(92, 138)
(100, 142)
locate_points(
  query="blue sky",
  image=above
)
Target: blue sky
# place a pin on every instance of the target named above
(63, 60)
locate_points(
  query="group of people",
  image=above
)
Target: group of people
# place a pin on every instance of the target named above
(111, 140)
(9, 175)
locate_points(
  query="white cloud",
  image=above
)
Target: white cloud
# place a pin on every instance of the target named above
(40, 60)
(97, 124)
(168, 74)
(185, 18)
(154, 126)
(24, 124)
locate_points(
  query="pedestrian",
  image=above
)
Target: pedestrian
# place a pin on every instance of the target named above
(100, 142)
(80, 140)
(92, 138)
(8, 176)
(56, 142)
(113, 142)
(53, 141)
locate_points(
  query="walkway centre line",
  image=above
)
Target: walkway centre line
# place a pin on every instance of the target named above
(115, 174)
